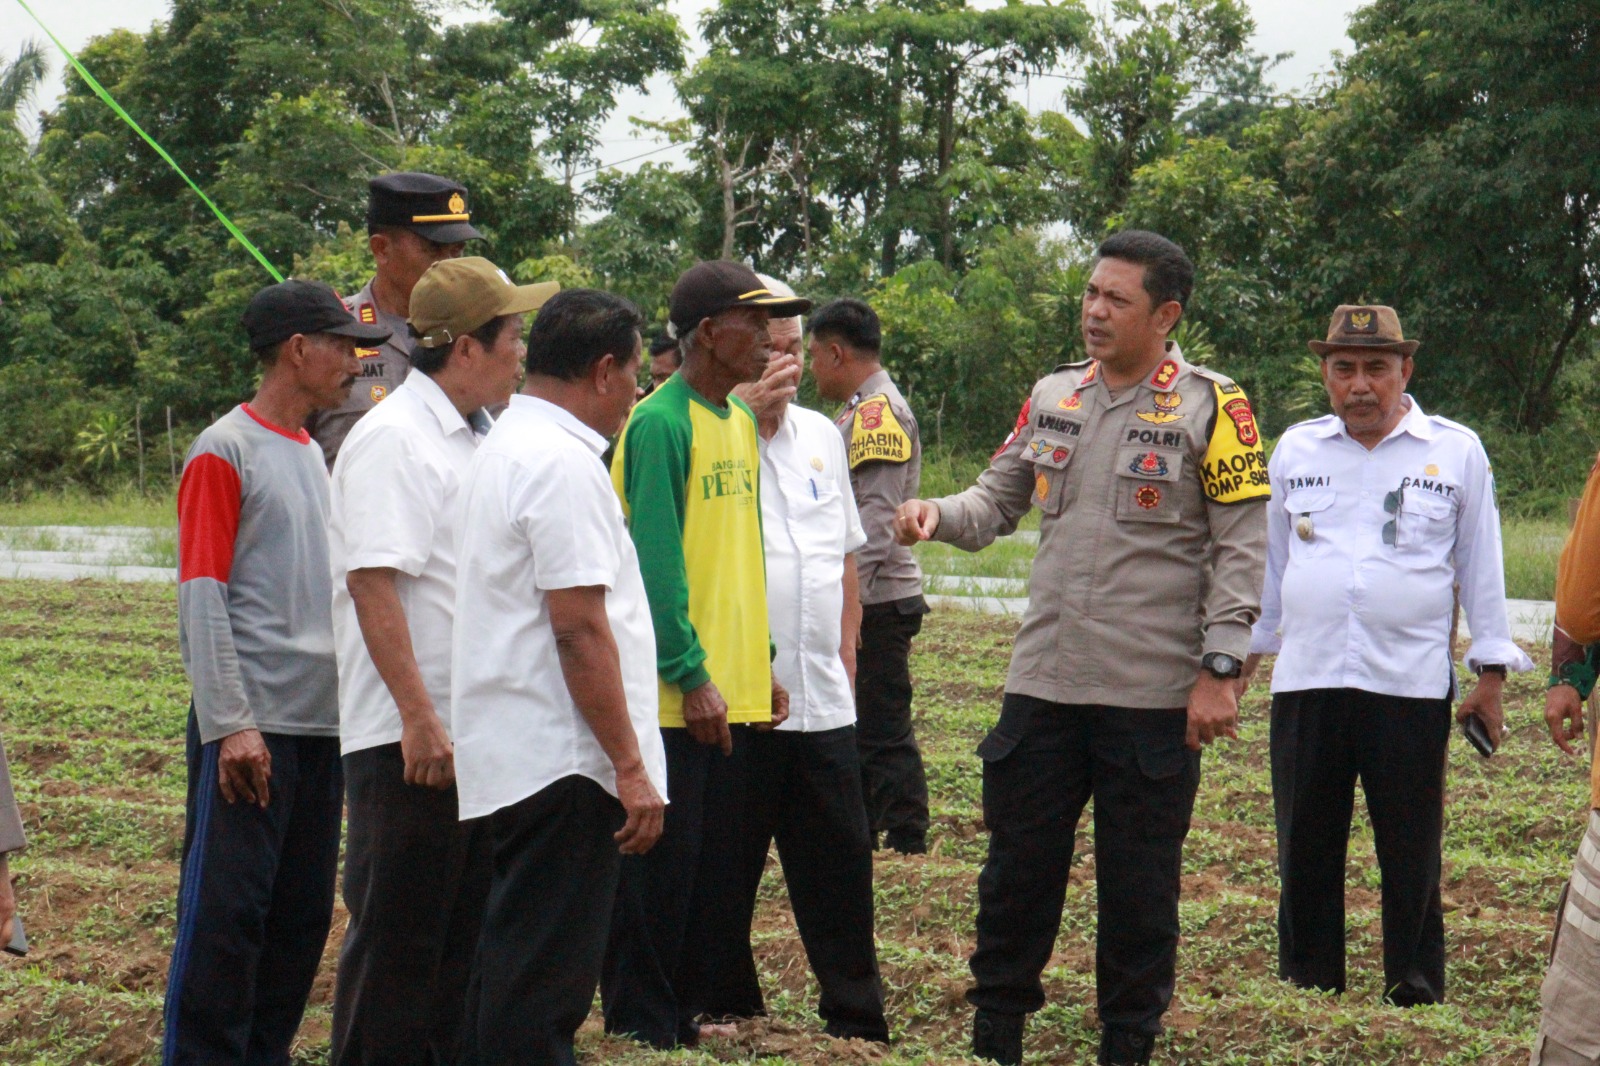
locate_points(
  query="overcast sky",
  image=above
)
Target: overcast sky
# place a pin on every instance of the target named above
(1312, 31)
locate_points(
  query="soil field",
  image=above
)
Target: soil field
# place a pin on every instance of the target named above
(92, 704)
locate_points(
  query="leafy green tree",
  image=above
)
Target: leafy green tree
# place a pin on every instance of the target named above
(1455, 173)
(641, 240)
(19, 80)
(949, 66)
(1243, 233)
(577, 56)
(1142, 65)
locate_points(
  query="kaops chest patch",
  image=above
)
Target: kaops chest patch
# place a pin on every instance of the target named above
(1234, 468)
(876, 435)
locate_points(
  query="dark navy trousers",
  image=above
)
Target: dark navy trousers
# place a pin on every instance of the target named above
(803, 790)
(673, 901)
(1042, 764)
(893, 779)
(416, 879)
(255, 900)
(1323, 741)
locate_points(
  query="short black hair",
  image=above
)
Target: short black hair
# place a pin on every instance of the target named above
(576, 327)
(1168, 272)
(432, 360)
(662, 343)
(850, 320)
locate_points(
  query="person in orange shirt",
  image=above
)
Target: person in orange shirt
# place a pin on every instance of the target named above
(1569, 1025)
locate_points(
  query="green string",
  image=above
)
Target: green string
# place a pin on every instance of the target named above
(162, 152)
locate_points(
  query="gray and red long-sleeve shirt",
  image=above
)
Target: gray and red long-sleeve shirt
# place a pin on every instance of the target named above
(255, 591)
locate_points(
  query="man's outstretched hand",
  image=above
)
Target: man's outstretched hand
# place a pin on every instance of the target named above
(915, 521)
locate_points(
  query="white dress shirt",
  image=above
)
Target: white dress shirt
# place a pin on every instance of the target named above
(809, 524)
(394, 505)
(1350, 604)
(538, 513)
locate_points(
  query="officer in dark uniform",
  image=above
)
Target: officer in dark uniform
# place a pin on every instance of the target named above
(413, 221)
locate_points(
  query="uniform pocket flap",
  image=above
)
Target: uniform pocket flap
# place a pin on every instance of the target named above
(1427, 504)
(1150, 464)
(1007, 732)
(1308, 501)
(997, 745)
(1049, 452)
(1165, 759)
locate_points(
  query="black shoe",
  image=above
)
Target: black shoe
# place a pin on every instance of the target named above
(906, 844)
(997, 1037)
(1123, 1047)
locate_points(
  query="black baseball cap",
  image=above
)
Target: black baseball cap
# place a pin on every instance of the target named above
(710, 288)
(278, 312)
(426, 204)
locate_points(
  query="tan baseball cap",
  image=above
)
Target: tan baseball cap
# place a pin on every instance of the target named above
(456, 296)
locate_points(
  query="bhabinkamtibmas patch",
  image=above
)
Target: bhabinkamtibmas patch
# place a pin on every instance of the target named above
(1234, 468)
(877, 435)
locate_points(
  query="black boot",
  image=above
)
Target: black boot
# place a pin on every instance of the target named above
(1123, 1047)
(997, 1037)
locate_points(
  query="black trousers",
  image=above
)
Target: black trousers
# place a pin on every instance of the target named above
(255, 900)
(415, 881)
(804, 791)
(1322, 741)
(544, 931)
(676, 899)
(1041, 764)
(892, 776)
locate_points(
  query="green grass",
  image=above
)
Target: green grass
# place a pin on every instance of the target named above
(1531, 545)
(92, 703)
(77, 507)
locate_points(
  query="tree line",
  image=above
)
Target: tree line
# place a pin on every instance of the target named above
(1447, 165)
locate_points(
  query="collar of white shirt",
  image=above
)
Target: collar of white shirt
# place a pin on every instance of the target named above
(562, 417)
(1414, 422)
(433, 397)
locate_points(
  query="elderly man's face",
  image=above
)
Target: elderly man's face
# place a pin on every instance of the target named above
(326, 366)
(785, 334)
(501, 368)
(619, 397)
(740, 342)
(1366, 388)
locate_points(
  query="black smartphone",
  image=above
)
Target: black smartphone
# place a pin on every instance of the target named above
(19, 939)
(1473, 729)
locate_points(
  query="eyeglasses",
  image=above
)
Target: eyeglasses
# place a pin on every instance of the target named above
(1391, 505)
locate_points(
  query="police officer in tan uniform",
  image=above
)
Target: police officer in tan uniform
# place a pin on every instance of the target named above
(1153, 488)
(413, 221)
(885, 455)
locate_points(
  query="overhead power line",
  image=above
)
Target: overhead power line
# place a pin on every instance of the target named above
(629, 159)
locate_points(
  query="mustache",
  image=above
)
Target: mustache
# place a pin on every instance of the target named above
(349, 382)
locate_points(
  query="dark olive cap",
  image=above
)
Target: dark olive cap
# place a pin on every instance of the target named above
(279, 311)
(710, 288)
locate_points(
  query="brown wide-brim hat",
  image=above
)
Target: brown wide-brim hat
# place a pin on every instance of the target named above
(1365, 326)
